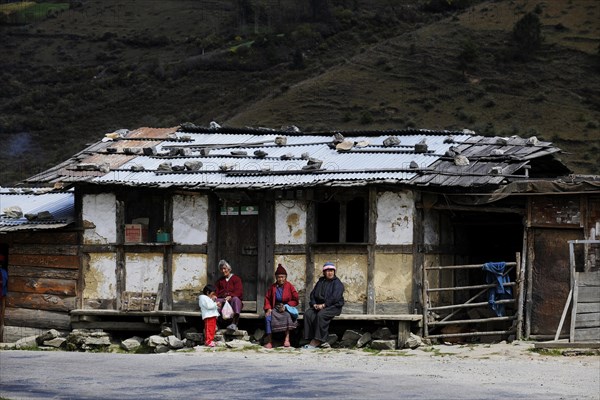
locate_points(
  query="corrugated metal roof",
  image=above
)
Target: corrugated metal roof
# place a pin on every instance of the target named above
(257, 157)
(60, 206)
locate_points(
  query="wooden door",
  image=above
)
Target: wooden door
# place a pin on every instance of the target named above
(551, 278)
(237, 242)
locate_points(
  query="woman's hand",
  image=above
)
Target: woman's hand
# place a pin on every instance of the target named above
(268, 312)
(319, 306)
(228, 298)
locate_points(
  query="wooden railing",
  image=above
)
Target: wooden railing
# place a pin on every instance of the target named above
(429, 310)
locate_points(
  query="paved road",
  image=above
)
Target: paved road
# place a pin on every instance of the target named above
(294, 374)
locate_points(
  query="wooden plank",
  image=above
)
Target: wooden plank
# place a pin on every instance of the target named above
(64, 287)
(289, 249)
(310, 254)
(588, 307)
(575, 300)
(588, 279)
(41, 237)
(382, 317)
(54, 248)
(587, 320)
(566, 345)
(587, 334)
(520, 272)
(117, 326)
(564, 314)
(588, 294)
(467, 266)
(42, 272)
(37, 318)
(471, 334)
(471, 321)
(372, 239)
(50, 260)
(491, 285)
(159, 294)
(36, 301)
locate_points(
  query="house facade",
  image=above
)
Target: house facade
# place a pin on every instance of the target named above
(158, 209)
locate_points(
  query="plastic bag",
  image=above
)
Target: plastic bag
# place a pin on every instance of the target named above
(227, 311)
(292, 310)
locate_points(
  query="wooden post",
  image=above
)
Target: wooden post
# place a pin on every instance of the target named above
(403, 333)
(520, 274)
(372, 239)
(564, 314)
(120, 254)
(310, 257)
(529, 282)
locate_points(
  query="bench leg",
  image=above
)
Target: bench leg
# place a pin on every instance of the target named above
(403, 333)
(175, 321)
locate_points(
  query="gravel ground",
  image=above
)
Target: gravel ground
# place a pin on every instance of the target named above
(481, 371)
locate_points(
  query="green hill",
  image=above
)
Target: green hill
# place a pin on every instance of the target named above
(70, 76)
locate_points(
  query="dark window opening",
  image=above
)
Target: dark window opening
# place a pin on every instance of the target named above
(355, 221)
(341, 221)
(147, 210)
(328, 222)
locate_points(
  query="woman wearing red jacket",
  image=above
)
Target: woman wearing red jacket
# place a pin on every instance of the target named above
(277, 317)
(229, 288)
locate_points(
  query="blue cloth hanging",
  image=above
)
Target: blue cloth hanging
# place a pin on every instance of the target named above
(3, 282)
(495, 274)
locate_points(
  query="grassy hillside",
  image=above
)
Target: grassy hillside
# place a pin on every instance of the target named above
(68, 77)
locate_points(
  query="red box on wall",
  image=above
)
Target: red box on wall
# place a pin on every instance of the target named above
(136, 233)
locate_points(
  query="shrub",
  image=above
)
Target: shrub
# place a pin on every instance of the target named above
(468, 55)
(527, 34)
(366, 117)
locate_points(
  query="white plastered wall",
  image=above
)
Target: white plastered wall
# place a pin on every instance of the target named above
(144, 272)
(290, 222)
(99, 218)
(99, 276)
(395, 214)
(190, 219)
(189, 275)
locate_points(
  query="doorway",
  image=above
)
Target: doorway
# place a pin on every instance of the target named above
(237, 242)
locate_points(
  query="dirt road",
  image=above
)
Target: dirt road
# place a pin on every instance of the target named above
(507, 371)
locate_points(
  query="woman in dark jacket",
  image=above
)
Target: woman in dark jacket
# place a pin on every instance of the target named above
(326, 302)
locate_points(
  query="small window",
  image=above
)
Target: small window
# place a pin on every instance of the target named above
(341, 221)
(144, 216)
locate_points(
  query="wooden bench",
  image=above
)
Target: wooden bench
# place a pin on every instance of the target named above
(109, 319)
(404, 321)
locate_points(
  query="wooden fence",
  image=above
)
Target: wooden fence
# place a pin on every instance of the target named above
(515, 319)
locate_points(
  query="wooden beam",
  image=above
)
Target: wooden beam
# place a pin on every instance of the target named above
(310, 256)
(48, 302)
(37, 318)
(120, 253)
(42, 260)
(45, 273)
(117, 326)
(372, 239)
(64, 287)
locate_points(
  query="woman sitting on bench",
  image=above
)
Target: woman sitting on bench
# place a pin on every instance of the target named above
(326, 302)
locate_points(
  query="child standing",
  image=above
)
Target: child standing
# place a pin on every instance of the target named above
(210, 312)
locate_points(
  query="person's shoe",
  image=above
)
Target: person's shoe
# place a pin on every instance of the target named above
(211, 344)
(308, 347)
(268, 346)
(325, 345)
(232, 327)
(286, 343)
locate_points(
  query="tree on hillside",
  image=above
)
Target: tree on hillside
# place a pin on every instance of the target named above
(527, 34)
